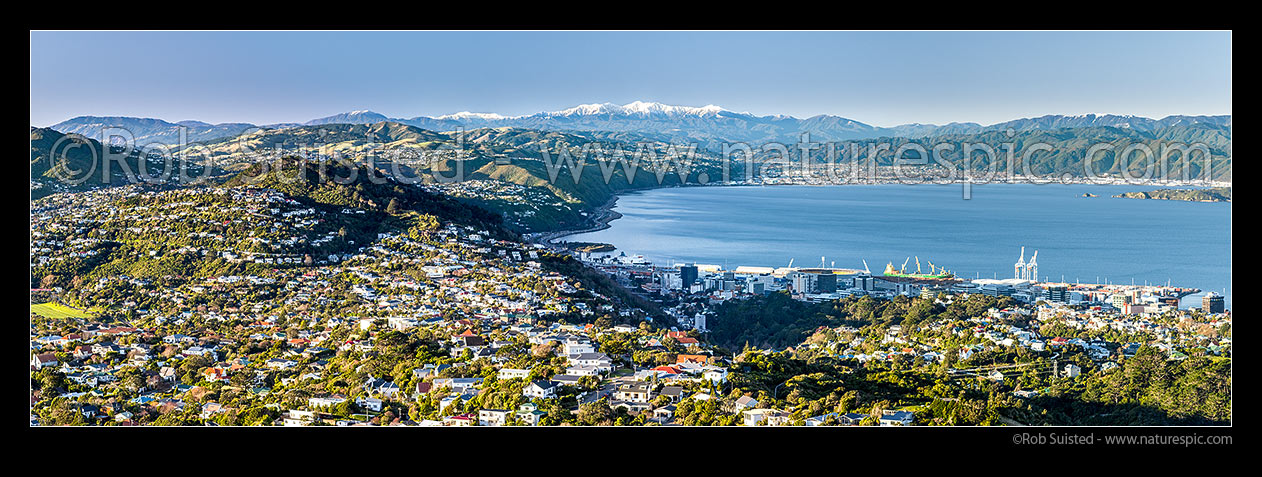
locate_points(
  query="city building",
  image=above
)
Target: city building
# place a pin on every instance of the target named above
(826, 283)
(1213, 303)
(1056, 294)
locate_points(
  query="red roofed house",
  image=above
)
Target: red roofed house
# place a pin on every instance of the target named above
(692, 358)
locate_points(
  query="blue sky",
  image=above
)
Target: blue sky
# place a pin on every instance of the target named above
(880, 78)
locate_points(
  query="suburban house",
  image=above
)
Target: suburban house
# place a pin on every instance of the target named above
(692, 359)
(743, 403)
(540, 389)
(852, 418)
(716, 375)
(458, 385)
(41, 361)
(371, 404)
(296, 417)
(599, 361)
(897, 418)
(821, 419)
(326, 401)
(665, 413)
(1072, 370)
(462, 420)
(573, 347)
(380, 386)
(766, 417)
(582, 371)
(675, 393)
(635, 392)
(530, 414)
(493, 417)
(510, 373)
(566, 379)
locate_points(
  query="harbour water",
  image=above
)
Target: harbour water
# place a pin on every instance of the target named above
(1086, 239)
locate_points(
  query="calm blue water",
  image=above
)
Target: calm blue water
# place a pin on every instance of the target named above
(1088, 239)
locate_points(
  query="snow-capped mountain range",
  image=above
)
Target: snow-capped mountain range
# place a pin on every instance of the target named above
(707, 124)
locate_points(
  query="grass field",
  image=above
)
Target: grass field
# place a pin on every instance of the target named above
(57, 310)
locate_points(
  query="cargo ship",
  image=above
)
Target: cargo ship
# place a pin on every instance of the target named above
(935, 273)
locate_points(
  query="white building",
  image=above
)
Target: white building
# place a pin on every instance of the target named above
(1072, 370)
(493, 417)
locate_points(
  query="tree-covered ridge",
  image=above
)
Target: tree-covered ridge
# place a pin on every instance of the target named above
(68, 163)
(343, 184)
(1213, 194)
(776, 320)
(869, 356)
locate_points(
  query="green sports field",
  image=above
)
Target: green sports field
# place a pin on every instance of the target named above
(57, 310)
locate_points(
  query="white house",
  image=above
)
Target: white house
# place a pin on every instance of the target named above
(717, 375)
(819, 420)
(771, 417)
(41, 361)
(325, 401)
(578, 347)
(635, 392)
(897, 418)
(582, 371)
(493, 417)
(371, 404)
(457, 385)
(511, 373)
(296, 417)
(1072, 370)
(600, 361)
(540, 389)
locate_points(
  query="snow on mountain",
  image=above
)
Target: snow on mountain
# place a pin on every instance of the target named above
(469, 115)
(638, 108)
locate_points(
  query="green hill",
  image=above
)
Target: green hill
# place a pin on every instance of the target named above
(338, 184)
(1215, 194)
(67, 163)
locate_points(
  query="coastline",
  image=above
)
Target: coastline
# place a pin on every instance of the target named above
(601, 218)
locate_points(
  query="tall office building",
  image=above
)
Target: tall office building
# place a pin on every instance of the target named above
(1056, 294)
(1213, 303)
(1119, 300)
(802, 282)
(826, 283)
(688, 274)
(865, 282)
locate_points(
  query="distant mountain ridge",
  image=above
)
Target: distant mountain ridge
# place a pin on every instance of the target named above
(149, 130)
(708, 124)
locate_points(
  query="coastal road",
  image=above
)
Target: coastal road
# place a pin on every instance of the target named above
(600, 217)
